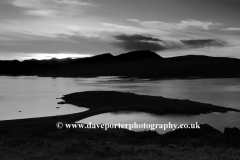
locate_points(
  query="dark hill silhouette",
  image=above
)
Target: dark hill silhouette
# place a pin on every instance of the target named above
(198, 57)
(138, 55)
(142, 64)
(107, 57)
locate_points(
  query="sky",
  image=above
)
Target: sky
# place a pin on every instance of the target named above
(43, 29)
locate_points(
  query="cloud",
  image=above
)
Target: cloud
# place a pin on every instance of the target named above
(52, 8)
(127, 29)
(51, 13)
(232, 29)
(138, 42)
(117, 26)
(33, 4)
(200, 43)
(193, 23)
(73, 2)
(143, 42)
(184, 24)
(124, 28)
(39, 4)
(57, 43)
(133, 20)
(136, 37)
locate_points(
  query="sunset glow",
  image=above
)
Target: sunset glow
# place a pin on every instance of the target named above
(30, 27)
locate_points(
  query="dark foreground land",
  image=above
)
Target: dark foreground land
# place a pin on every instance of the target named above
(206, 143)
(39, 139)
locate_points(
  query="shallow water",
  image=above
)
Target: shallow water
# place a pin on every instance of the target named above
(36, 97)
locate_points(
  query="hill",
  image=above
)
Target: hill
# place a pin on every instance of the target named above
(141, 64)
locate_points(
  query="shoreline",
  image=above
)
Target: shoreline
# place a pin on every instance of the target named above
(100, 102)
(39, 138)
(115, 101)
(123, 77)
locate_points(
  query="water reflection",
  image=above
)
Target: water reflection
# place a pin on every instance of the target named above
(218, 120)
(36, 96)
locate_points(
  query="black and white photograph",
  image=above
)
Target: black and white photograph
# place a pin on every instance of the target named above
(119, 79)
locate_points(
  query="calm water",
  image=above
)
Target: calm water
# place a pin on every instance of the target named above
(36, 97)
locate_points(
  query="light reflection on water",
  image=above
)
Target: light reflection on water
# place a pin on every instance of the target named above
(36, 96)
(218, 120)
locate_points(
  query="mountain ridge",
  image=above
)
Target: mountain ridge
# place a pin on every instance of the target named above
(142, 64)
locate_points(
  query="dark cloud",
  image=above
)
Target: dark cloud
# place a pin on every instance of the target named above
(136, 37)
(142, 42)
(138, 42)
(199, 43)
